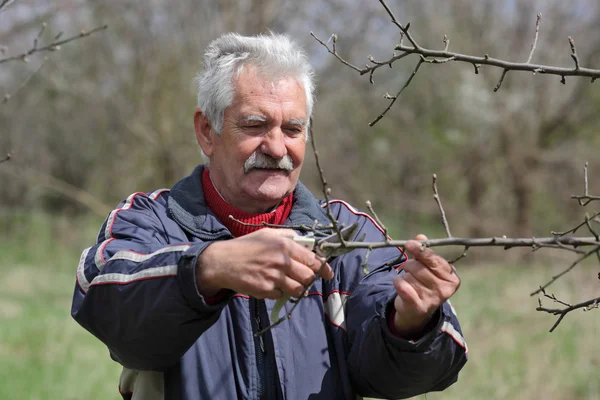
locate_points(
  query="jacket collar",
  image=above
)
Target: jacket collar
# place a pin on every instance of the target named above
(187, 207)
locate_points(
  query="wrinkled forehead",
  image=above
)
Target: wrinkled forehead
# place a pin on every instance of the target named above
(253, 88)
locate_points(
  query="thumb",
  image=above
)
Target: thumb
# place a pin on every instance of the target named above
(416, 249)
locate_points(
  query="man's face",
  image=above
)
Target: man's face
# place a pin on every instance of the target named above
(256, 160)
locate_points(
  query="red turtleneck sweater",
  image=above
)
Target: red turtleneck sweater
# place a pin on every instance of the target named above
(223, 210)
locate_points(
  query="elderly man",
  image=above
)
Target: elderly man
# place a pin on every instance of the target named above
(177, 289)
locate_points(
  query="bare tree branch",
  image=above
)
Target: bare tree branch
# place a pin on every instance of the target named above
(8, 96)
(53, 46)
(431, 56)
(573, 265)
(436, 196)
(585, 199)
(538, 22)
(562, 312)
(5, 3)
(326, 189)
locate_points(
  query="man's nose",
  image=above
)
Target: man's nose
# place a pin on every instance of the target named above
(274, 144)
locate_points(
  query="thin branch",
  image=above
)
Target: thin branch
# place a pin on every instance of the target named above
(365, 261)
(53, 46)
(506, 243)
(8, 96)
(586, 305)
(589, 226)
(394, 98)
(463, 255)
(6, 158)
(436, 196)
(446, 42)
(573, 265)
(6, 3)
(326, 189)
(577, 227)
(497, 87)
(316, 229)
(585, 199)
(553, 298)
(281, 302)
(334, 51)
(372, 211)
(403, 29)
(494, 62)
(574, 52)
(538, 22)
(362, 71)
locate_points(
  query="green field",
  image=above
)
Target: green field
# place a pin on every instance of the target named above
(44, 354)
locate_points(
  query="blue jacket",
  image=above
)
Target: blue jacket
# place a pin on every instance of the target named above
(136, 292)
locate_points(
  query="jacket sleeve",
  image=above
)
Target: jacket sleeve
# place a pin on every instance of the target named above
(136, 288)
(381, 364)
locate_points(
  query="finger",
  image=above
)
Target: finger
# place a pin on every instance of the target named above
(408, 298)
(425, 255)
(300, 273)
(310, 259)
(421, 273)
(291, 287)
(421, 237)
(432, 283)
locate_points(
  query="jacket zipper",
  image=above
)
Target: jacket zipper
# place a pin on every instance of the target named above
(259, 345)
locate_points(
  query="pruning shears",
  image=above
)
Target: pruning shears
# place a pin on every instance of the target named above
(313, 243)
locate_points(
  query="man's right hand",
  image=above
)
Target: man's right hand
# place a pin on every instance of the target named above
(262, 264)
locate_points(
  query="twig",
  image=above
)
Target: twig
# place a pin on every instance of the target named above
(553, 298)
(5, 3)
(586, 305)
(286, 298)
(394, 98)
(573, 265)
(372, 211)
(436, 196)
(403, 29)
(506, 243)
(326, 189)
(365, 261)
(446, 42)
(315, 229)
(585, 199)
(431, 56)
(574, 52)
(6, 158)
(577, 227)
(497, 87)
(53, 46)
(538, 22)
(8, 96)
(361, 71)
(463, 255)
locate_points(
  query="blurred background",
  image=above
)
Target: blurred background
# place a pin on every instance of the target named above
(111, 114)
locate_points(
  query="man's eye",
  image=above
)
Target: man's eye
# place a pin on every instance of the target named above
(295, 131)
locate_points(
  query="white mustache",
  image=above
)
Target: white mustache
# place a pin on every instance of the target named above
(263, 161)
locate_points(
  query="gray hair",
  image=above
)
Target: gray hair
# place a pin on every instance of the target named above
(275, 56)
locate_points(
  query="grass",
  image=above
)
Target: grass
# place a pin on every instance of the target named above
(44, 354)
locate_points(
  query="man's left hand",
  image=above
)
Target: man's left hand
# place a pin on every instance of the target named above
(428, 281)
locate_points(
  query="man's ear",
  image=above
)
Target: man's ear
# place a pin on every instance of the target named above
(204, 133)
